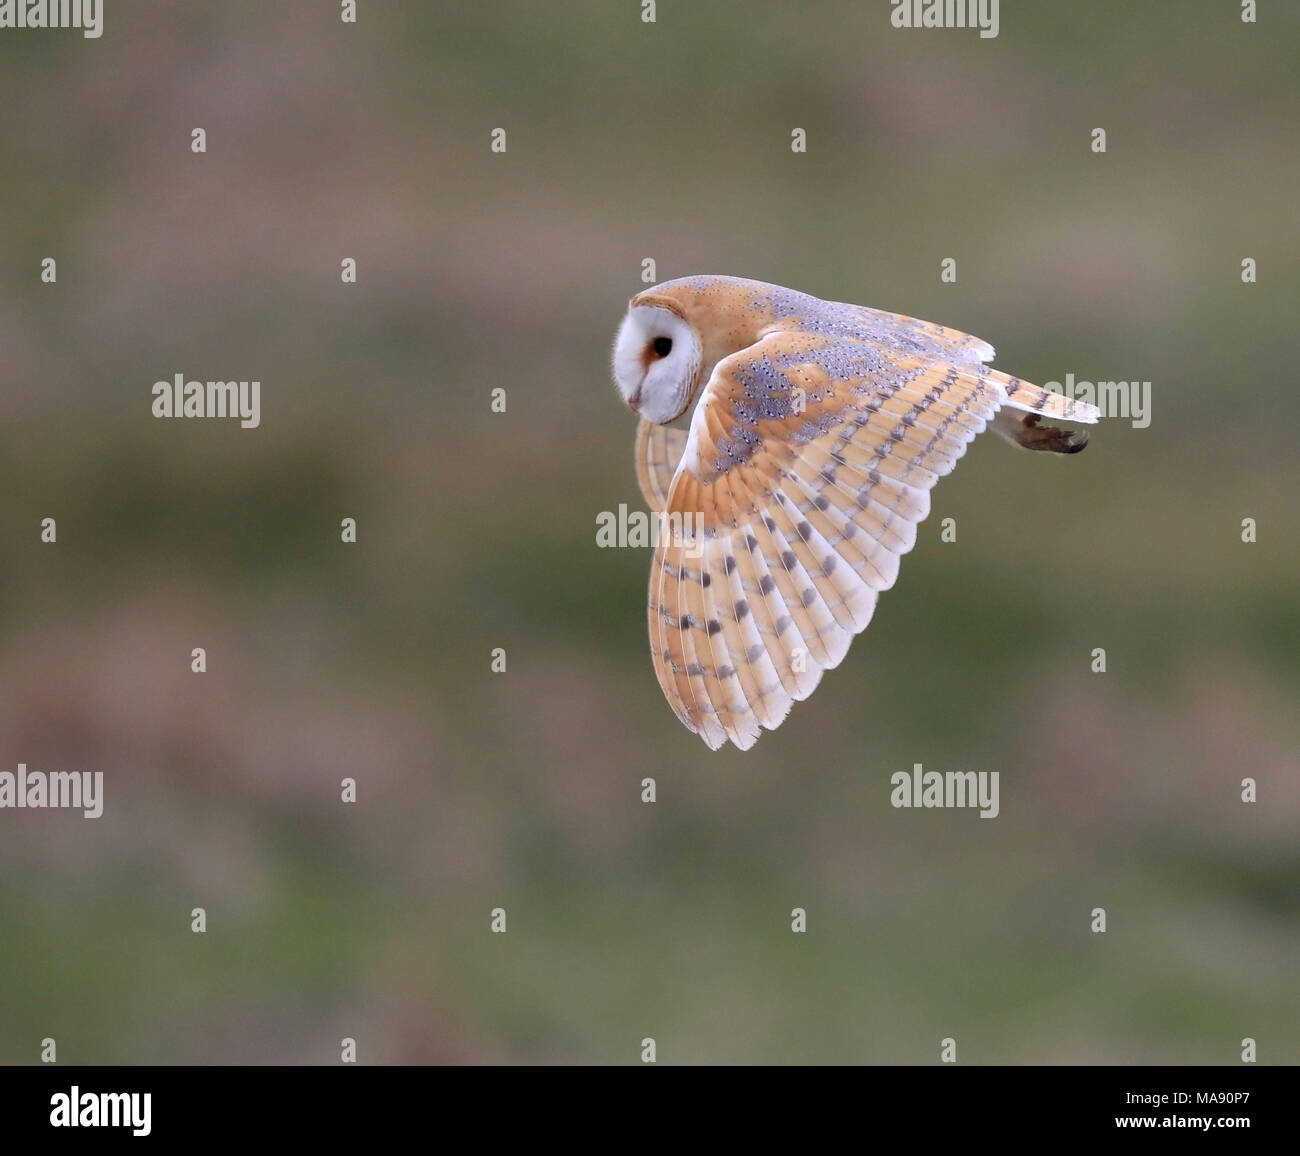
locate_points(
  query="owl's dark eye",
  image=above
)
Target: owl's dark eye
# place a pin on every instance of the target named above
(663, 346)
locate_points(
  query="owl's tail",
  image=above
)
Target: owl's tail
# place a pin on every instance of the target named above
(1035, 399)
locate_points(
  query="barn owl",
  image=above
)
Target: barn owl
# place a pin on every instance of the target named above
(790, 445)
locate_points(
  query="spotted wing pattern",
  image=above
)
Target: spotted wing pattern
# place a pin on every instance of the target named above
(807, 468)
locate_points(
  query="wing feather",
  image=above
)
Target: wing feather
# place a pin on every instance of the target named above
(658, 450)
(800, 485)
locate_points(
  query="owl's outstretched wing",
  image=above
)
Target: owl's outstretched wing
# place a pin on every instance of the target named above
(658, 450)
(888, 328)
(807, 468)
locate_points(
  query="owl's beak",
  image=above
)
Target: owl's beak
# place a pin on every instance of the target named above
(634, 402)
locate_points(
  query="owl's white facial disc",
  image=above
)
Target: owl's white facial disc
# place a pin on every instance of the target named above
(656, 362)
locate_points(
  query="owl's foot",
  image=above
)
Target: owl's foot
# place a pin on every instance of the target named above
(1027, 430)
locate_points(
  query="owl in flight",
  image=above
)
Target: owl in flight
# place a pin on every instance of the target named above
(789, 445)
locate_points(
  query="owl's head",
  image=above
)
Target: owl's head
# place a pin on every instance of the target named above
(657, 359)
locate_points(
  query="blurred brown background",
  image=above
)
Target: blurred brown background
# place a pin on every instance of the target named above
(476, 530)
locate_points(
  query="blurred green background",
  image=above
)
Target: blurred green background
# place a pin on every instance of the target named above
(476, 530)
